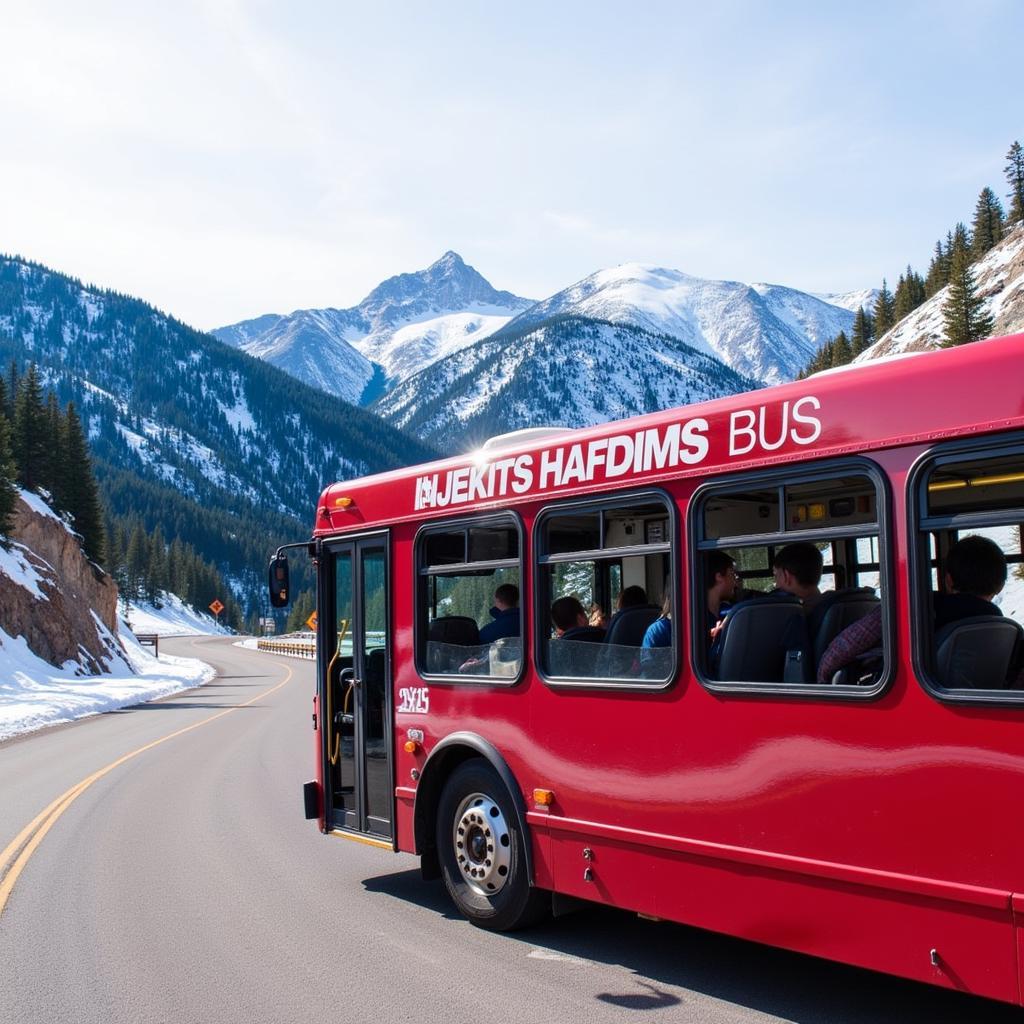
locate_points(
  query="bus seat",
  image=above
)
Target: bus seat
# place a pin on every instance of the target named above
(626, 630)
(577, 652)
(454, 629)
(446, 636)
(764, 640)
(834, 612)
(978, 653)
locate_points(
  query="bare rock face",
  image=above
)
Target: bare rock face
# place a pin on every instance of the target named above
(61, 626)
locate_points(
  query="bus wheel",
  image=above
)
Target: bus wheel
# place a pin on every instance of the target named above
(481, 851)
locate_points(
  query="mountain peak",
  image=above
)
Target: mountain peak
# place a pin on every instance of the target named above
(450, 259)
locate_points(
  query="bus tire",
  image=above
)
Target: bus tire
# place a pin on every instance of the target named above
(482, 852)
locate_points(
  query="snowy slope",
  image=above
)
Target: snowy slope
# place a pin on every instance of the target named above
(864, 299)
(999, 277)
(567, 371)
(765, 332)
(403, 325)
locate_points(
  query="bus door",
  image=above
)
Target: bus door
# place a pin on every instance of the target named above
(358, 690)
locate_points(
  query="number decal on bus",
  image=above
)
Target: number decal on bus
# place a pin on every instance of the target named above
(415, 700)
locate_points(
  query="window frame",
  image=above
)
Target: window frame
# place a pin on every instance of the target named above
(540, 560)
(699, 546)
(421, 576)
(920, 526)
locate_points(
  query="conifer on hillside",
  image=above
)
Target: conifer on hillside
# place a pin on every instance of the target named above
(8, 479)
(863, 331)
(30, 431)
(842, 352)
(910, 293)
(963, 312)
(884, 313)
(938, 271)
(987, 227)
(1015, 176)
(303, 607)
(79, 493)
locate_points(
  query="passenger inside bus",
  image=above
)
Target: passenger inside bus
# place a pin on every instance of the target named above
(570, 622)
(723, 589)
(505, 615)
(974, 645)
(797, 570)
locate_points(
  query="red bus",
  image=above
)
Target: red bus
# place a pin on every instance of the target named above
(866, 817)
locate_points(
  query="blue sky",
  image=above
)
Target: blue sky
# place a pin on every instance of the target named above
(223, 160)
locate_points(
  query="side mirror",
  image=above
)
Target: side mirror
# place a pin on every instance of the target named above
(279, 582)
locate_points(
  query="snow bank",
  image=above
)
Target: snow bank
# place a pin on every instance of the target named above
(173, 619)
(34, 694)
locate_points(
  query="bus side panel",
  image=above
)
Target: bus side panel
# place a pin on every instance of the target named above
(882, 930)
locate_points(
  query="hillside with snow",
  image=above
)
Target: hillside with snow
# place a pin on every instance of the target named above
(999, 279)
(763, 332)
(567, 371)
(403, 325)
(222, 450)
(63, 651)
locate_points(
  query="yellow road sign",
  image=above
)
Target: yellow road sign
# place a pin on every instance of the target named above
(216, 607)
(311, 621)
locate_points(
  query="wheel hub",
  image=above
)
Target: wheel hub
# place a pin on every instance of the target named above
(482, 847)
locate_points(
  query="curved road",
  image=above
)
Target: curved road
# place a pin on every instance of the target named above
(183, 885)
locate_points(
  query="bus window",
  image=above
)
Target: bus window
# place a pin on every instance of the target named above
(604, 593)
(788, 584)
(970, 584)
(468, 617)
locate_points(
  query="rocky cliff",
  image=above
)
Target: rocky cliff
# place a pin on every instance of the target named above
(51, 594)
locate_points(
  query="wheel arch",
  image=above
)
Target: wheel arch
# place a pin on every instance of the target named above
(452, 751)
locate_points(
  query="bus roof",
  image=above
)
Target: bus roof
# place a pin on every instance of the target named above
(953, 392)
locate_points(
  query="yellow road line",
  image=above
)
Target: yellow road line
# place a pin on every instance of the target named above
(32, 834)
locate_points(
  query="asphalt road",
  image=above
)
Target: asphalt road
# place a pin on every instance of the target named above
(184, 885)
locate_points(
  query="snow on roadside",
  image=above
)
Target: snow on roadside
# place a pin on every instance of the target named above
(174, 618)
(34, 694)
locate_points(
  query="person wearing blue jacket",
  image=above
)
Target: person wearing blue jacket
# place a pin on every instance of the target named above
(505, 614)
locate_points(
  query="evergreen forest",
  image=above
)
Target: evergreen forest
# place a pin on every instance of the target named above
(963, 315)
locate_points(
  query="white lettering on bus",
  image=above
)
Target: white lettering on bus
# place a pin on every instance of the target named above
(812, 421)
(765, 428)
(414, 700)
(743, 438)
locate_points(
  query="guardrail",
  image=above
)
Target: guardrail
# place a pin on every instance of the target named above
(293, 645)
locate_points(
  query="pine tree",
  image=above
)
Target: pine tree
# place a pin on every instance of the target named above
(8, 478)
(842, 353)
(301, 611)
(863, 331)
(53, 477)
(909, 293)
(30, 424)
(963, 311)
(884, 311)
(987, 227)
(135, 564)
(938, 272)
(113, 547)
(80, 490)
(156, 570)
(1015, 176)
(12, 389)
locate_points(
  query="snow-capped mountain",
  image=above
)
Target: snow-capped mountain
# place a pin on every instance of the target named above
(863, 298)
(565, 371)
(999, 280)
(223, 450)
(403, 325)
(766, 332)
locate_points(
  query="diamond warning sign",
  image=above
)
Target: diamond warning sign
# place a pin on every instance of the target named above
(216, 607)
